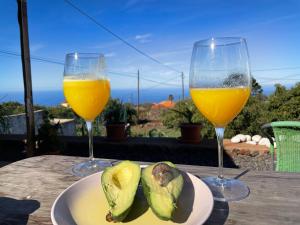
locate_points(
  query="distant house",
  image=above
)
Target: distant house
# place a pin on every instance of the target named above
(163, 105)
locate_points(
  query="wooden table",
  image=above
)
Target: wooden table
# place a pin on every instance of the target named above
(29, 187)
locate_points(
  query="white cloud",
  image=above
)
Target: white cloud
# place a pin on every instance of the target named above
(279, 18)
(172, 53)
(143, 38)
(110, 54)
(131, 3)
(107, 44)
(36, 47)
(138, 5)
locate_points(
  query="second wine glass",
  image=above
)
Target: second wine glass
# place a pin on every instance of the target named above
(220, 83)
(87, 90)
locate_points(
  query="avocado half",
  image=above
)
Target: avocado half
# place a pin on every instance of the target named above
(120, 184)
(162, 185)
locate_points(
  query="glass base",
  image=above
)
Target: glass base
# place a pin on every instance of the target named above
(89, 167)
(226, 190)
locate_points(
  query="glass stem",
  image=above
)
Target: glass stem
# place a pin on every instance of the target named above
(89, 126)
(220, 136)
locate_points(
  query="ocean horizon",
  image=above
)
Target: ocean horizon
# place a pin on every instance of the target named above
(56, 97)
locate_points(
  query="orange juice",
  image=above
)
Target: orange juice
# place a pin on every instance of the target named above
(87, 97)
(220, 105)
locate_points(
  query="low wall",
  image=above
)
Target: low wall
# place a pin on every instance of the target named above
(67, 126)
(255, 157)
(159, 149)
(16, 124)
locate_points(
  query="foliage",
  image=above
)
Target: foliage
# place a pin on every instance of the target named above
(17, 108)
(118, 112)
(48, 135)
(256, 88)
(183, 112)
(250, 120)
(186, 112)
(13, 108)
(284, 104)
(60, 112)
(3, 124)
(171, 98)
(155, 133)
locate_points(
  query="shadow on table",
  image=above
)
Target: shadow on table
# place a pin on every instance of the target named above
(219, 214)
(16, 212)
(185, 202)
(139, 207)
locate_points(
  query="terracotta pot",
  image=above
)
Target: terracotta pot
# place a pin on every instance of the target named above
(116, 132)
(190, 133)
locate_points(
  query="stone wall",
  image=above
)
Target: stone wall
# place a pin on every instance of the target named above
(252, 159)
(255, 157)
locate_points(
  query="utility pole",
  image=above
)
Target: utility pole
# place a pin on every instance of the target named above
(182, 85)
(138, 94)
(25, 54)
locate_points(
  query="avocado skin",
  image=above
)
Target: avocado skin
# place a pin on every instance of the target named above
(122, 216)
(147, 191)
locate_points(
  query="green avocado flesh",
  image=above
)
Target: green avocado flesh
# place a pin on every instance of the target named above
(163, 193)
(120, 184)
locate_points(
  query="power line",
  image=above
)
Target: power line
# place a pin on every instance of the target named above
(145, 79)
(280, 78)
(41, 59)
(36, 58)
(56, 61)
(161, 83)
(118, 37)
(277, 82)
(132, 75)
(279, 68)
(121, 74)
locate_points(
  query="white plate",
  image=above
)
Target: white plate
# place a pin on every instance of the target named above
(84, 203)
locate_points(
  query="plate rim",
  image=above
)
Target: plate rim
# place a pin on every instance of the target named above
(53, 220)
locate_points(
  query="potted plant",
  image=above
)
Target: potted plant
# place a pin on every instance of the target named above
(117, 117)
(184, 115)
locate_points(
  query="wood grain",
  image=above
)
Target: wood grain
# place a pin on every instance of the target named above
(29, 187)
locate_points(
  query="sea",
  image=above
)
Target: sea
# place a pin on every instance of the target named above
(56, 97)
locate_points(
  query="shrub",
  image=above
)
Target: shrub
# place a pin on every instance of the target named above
(251, 118)
(118, 112)
(186, 112)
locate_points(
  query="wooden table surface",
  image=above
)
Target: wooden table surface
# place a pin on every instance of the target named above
(29, 187)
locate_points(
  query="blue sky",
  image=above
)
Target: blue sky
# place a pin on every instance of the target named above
(165, 30)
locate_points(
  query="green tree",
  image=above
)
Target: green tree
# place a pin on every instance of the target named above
(251, 118)
(256, 87)
(284, 104)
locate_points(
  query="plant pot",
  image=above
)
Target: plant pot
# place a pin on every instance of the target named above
(190, 133)
(116, 132)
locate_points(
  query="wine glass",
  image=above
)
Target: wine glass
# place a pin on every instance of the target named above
(87, 90)
(220, 85)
